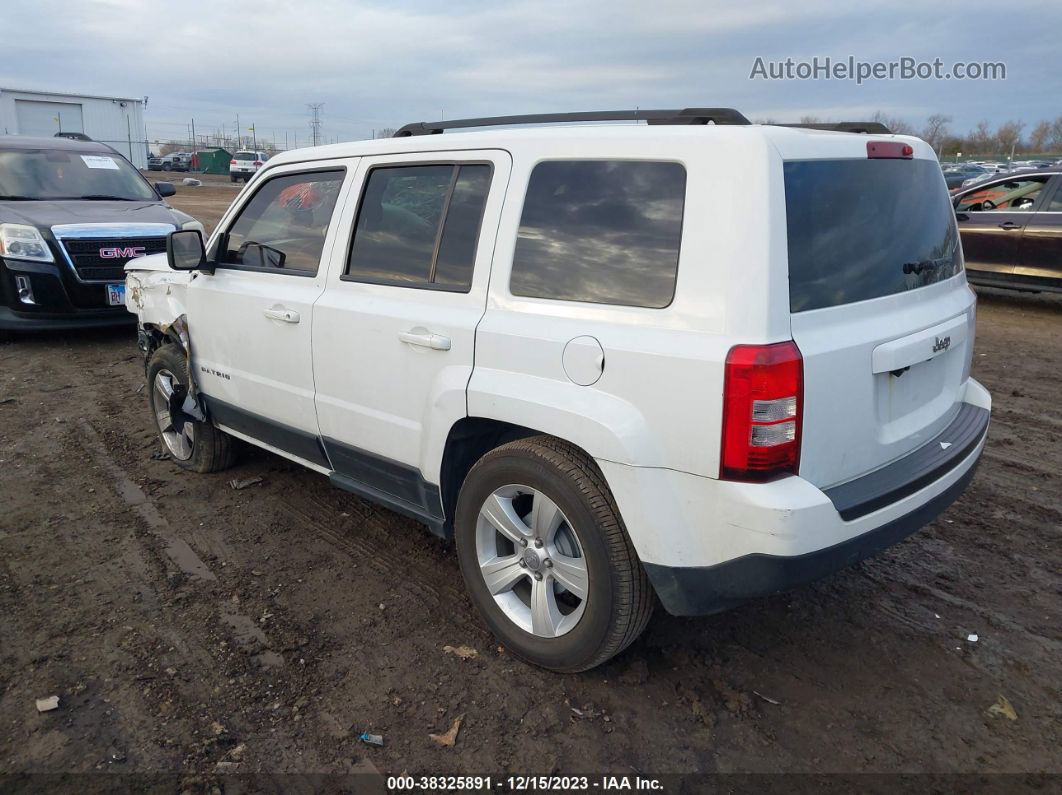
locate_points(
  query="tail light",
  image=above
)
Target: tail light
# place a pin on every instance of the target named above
(763, 399)
(258, 162)
(232, 162)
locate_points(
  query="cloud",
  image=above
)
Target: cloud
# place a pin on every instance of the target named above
(378, 64)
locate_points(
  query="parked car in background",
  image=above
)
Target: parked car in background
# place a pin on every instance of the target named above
(180, 161)
(245, 164)
(536, 342)
(71, 215)
(1011, 229)
(954, 176)
(155, 163)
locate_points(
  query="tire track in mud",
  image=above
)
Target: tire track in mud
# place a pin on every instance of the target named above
(382, 548)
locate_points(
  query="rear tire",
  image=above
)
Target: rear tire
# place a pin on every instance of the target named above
(192, 445)
(567, 591)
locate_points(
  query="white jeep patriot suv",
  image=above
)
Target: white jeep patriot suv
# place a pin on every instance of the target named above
(695, 360)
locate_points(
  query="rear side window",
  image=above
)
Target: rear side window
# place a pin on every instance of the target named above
(863, 229)
(601, 231)
(418, 226)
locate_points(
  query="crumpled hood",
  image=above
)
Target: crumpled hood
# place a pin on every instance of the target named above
(45, 214)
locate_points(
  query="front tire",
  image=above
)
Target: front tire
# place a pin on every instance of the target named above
(546, 558)
(192, 445)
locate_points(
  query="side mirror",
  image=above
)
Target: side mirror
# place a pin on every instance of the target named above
(185, 250)
(165, 189)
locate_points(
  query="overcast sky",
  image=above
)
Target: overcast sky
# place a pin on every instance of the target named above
(381, 64)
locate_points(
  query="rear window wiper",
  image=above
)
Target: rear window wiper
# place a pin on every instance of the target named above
(925, 265)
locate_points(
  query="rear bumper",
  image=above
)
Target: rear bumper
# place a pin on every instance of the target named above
(708, 545)
(710, 589)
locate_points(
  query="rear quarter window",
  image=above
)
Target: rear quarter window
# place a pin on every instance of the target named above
(601, 231)
(863, 229)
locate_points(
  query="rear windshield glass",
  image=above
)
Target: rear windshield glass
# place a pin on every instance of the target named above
(246, 156)
(862, 229)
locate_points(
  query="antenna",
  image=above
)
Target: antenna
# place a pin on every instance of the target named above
(315, 120)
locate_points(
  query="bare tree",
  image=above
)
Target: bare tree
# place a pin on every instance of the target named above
(936, 130)
(1039, 136)
(895, 124)
(981, 140)
(386, 132)
(1008, 136)
(1056, 135)
(810, 120)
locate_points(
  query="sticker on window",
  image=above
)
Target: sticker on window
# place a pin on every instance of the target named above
(100, 161)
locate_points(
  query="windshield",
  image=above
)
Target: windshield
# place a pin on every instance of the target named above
(50, 174)
(246, 156)
(862, 229)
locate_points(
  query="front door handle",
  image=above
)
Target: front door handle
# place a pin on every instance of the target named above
(283, 314)
(1009, 225)
(425, 339)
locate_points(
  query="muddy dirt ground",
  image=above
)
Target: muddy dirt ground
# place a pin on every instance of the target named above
(183, 624)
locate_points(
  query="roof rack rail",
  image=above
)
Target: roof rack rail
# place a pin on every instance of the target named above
(873, 127)
(685, 116)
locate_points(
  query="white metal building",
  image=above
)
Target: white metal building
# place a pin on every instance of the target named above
(118, 121)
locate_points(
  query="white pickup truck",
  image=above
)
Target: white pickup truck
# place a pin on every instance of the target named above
(692, 361)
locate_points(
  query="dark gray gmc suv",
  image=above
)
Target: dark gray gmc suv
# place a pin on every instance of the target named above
(72, 213)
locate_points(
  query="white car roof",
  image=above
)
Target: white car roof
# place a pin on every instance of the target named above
(657, 140)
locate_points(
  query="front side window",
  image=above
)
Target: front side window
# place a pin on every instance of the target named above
(283, 226)
(418, 226)
(1010, 196)
(601, 231)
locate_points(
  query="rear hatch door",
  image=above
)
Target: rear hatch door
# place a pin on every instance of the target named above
(880, 309)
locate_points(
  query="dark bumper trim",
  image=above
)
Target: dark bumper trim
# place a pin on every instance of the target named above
(710, 589)
(916, 470)
(12, 321)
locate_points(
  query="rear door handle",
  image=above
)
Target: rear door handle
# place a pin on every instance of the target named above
(282, 314)
(435, 342)
(1009, 225)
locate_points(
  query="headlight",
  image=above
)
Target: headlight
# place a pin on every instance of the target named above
(19, 241)
(194, 225)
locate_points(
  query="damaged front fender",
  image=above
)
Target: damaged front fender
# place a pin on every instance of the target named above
(158, 297)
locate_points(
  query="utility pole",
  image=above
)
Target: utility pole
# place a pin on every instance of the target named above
(315, 120)
(239, 133)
